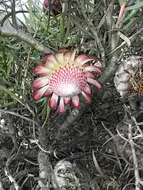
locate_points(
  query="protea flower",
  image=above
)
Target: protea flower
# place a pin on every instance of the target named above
(64, 76)
(129, 76)
(55, 6)
(64, 176)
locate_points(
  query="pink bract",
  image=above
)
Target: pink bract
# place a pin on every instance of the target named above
(63, 76)
(53, 6)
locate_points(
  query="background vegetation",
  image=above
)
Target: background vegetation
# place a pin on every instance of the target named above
(103, 141)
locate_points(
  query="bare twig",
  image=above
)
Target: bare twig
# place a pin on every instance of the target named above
(7, 170)
(18, 115)
(14, 21)
(11, 179)
(113, 137)
(2, 22)
(135, 161)
(92, 30)
(96, 164)
(108, 18)
(1, 186)
(45, 172)
(7, 31)
(131, 38)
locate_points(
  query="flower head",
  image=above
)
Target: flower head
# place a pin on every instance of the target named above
(55, 6)
(128, 78)
(64, 76)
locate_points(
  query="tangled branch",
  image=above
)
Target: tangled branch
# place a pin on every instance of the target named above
(7, 31)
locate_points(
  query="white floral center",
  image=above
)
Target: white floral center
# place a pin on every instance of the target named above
(67, 89)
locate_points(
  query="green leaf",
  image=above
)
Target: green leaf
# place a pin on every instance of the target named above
(138, 5)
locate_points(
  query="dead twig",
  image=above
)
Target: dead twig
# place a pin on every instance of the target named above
(138, 181)
(1, 186)
(18, 115)
(7, 170)
(11, 179)
(45, 172)
(7, 31)
(96, 164)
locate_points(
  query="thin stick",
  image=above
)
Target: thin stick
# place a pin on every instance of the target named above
(135, 161)
(7, 31)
